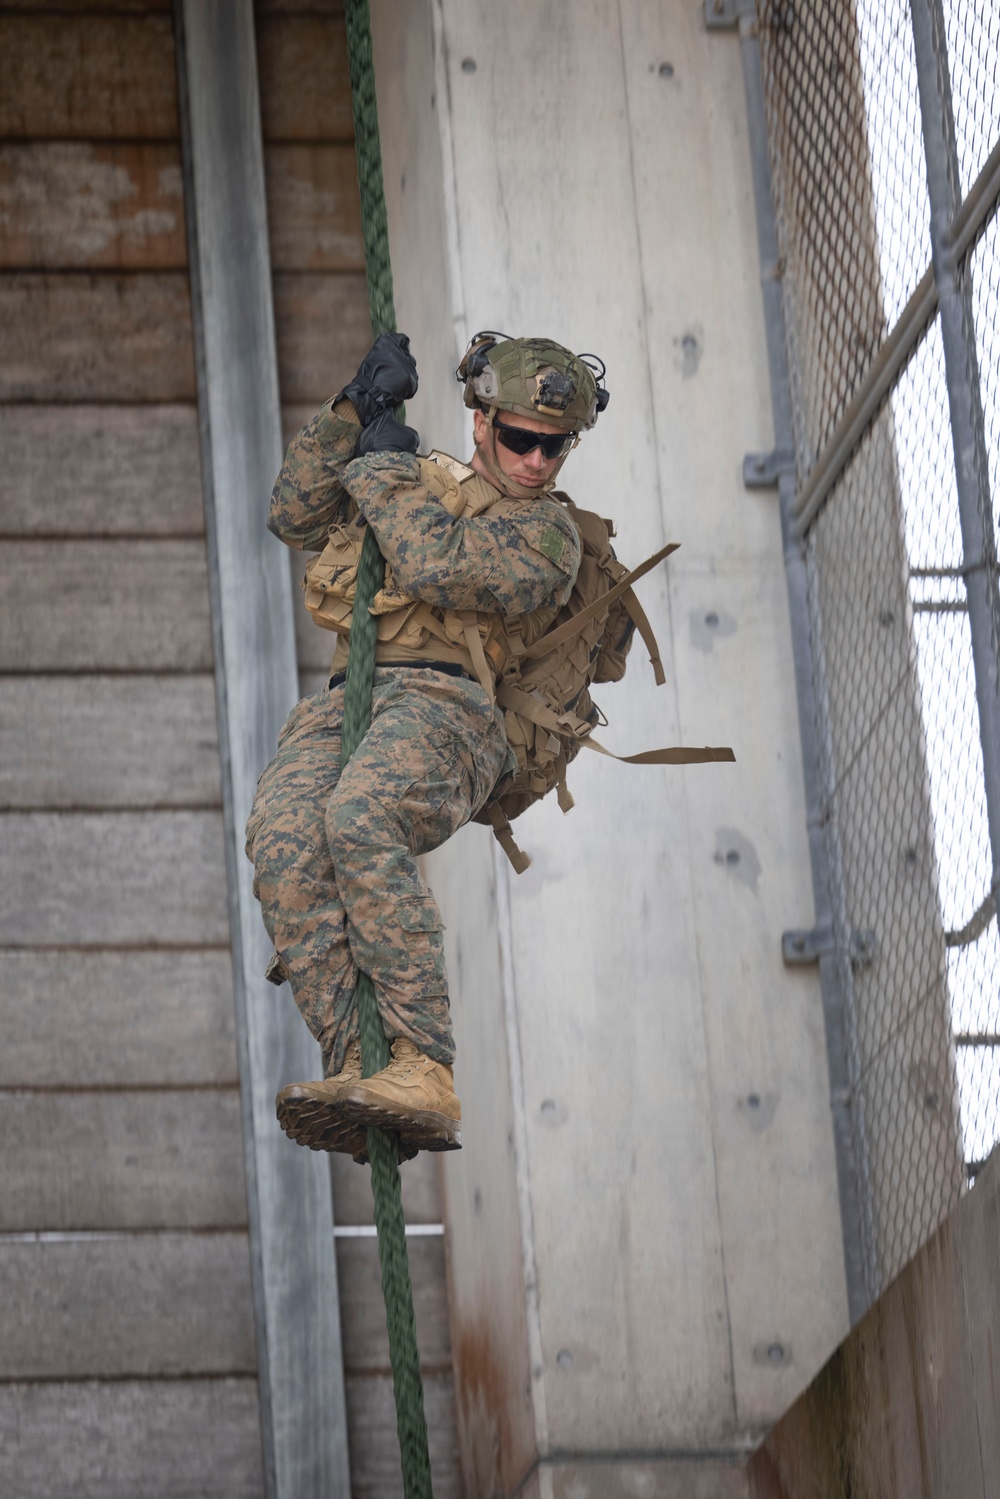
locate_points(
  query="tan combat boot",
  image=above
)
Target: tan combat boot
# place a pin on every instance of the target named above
(307, 1111)
(413, 1096)
(310, 1113)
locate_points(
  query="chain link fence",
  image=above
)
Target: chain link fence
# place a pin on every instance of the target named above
(892, 541)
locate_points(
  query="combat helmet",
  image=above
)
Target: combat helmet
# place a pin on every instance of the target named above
(533, 377)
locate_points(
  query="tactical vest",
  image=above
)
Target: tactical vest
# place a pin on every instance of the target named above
(409, 629)
(538, 666)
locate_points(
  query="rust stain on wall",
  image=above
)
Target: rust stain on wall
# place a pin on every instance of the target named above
(487, 1396)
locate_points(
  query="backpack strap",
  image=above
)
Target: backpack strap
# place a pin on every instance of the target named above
(530, 706)
(640, 619)
(425, 617)
(504, 835)
(564, 632)
(474, 645)
(673, 755)
(567, 724)
(513, 639)
(563, 794)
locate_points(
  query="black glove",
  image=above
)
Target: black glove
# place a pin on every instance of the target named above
(387, 375)
(386, 435)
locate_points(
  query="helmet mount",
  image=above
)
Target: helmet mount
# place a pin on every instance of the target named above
(533, 377)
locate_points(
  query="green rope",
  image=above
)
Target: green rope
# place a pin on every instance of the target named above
(390, 1224)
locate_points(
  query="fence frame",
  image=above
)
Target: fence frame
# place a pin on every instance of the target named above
(958, 336)
(944, 291)
(819, 944)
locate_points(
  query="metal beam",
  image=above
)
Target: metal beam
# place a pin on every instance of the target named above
(849, 1177)
(299, 1362)
(880, 377)
(977, 206)
(958, 338)
(891, 358)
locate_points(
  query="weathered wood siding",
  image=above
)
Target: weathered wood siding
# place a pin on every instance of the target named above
(371, 1413)
(126, 1340)
(323, 330)
(169, 1010)
(910, 1404)
(314, 221)
(107, 470)
(127, 1437)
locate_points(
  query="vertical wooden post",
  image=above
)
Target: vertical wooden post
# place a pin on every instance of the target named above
(299, 1361)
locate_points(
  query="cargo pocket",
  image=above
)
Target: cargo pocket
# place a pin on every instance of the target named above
(436, 806)
(422, 927)
(419, 913)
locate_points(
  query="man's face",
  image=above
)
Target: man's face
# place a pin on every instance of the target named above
(533, 469)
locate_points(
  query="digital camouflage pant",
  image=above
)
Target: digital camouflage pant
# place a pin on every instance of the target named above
(335, 855)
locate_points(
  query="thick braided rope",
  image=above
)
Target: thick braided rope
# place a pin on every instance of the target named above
(382, 1147)
(374, 224)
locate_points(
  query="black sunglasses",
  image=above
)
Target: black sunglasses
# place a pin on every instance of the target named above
(522, 440)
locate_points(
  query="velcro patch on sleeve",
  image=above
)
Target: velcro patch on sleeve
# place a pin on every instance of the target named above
(552, 544)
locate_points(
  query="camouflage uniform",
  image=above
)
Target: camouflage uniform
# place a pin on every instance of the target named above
(335, 855)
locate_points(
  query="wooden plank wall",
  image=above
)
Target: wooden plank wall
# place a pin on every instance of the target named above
(910, 1403)
(371, 1415)
(127, 1358)
(321, 312)
(314, 222)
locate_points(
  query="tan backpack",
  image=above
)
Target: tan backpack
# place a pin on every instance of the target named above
(548, 712)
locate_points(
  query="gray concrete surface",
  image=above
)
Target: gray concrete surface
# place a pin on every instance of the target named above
(645, 1245)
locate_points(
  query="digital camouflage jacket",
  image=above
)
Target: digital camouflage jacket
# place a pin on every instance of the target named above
(497, 556)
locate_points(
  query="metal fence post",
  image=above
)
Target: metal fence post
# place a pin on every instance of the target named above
(858, 1257)
(958, 336)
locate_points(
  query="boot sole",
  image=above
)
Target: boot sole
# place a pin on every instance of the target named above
(421, 1128)
(320, 1124)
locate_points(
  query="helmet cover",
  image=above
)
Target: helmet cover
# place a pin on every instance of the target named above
(532, 377)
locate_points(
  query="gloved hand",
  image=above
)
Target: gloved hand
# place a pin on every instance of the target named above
(386, 435)
(386, 376)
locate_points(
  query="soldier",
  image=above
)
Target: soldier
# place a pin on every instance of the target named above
(480, 560)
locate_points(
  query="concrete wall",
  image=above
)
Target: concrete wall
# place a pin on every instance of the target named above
(909, 1407)
(645, 1246)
